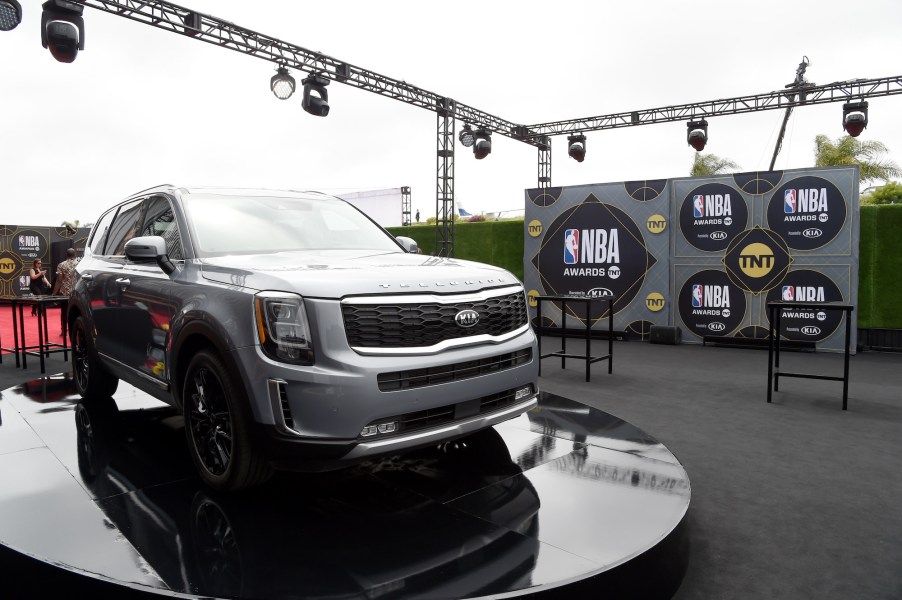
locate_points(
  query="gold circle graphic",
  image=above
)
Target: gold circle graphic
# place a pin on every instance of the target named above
(756, 260)
(534, 228)
(531, 297)
(654, 302)
(656, 224)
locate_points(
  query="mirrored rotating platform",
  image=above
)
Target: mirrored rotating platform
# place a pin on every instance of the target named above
(566, 501)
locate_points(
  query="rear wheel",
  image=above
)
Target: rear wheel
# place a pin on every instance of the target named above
(91, 379)
(217, 426)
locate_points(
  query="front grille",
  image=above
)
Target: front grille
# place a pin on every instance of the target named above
(435, 417)
(414, 378)
(422, 325)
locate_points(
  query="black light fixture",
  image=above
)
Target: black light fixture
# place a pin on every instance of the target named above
(576, 147)
(316, 98)
(855, 117)
(482, 146)
(697, 134)
(282, 84)
(10, 14)
(466, 136)
(63, 29)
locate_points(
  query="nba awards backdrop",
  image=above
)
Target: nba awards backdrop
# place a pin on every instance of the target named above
(20, 245)
(705, 254)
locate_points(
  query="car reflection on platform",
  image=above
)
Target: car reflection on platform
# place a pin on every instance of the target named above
(344, 534)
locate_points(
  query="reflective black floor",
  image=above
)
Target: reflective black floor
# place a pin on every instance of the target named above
(562, 501)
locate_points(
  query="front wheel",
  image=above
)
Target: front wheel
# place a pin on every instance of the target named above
(91, 379)
(217, 427)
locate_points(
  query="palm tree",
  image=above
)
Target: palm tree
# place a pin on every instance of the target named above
(847, 150)
(710, 164)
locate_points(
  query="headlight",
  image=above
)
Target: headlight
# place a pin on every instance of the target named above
(282, 327)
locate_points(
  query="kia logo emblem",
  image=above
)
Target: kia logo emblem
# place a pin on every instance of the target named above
(467, 318)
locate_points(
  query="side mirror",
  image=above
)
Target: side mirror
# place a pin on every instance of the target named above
(150, 247)
(409, 244)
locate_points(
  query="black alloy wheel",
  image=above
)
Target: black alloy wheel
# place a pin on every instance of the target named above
(217, 427)
(91, 379)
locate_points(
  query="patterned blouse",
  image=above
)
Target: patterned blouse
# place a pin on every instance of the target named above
(66, 273)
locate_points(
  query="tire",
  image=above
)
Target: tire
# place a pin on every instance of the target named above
(217, 427)
(91, 379)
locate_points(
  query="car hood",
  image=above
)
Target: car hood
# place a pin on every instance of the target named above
(341, 273)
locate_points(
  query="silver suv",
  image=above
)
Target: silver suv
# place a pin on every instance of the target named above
(293, 332)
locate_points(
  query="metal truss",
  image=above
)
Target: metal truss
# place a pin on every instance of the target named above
(545, 163)
(805, 95)
(405, 205)
(444, 195)
(213, 30)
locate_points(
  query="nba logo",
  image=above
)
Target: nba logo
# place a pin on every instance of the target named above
(23, 282)
(696, 296)
(571, 246)
(789, 201)
(21, 240)
(698, 206)
(787, 293)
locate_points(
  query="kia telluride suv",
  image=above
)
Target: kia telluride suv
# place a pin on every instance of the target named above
(293, 332)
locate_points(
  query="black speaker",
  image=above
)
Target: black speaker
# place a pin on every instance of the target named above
(662, 334)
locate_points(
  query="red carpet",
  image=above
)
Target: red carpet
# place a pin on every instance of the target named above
(31, 327)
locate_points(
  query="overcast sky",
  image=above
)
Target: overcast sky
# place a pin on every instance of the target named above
(141, 106)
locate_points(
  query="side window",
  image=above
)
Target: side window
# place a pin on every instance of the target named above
(99, 234)
(125, 227)
(160, 220)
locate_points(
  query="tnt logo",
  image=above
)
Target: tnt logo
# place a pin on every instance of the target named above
(787, 294)
(531, 296)
(756, 260)
(654, 302)
(789, 202)
(697, 294)
(656, 224)
(534, 228)
(7, 266)
(571, 246)
(698, 206)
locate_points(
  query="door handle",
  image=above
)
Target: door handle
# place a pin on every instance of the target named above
(123, 282)
(87, 277)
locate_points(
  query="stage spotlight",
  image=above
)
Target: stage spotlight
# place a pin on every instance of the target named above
(10, 14)
(466, 136)
(697, 134)
(576, 147)
(63, 29)
(855, 117)
(282, 84)
(482, 146)
(316, 98)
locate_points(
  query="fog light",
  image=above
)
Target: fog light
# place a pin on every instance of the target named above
(522, 393)
(379, 429)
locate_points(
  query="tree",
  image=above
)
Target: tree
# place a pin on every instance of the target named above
(710, 164)
(72, 224)
(847, 150)
(891, 193)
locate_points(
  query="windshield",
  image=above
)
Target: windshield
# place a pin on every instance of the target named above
(238, 224)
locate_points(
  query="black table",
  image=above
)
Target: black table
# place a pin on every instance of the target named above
(775, 311)
(44, 346)
(562, 353)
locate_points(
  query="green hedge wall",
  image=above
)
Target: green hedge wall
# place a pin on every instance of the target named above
(500, 243)
(880, 267)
